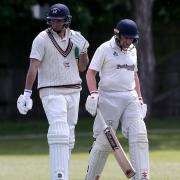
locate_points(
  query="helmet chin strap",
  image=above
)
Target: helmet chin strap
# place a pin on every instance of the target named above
(117, 39)
(118, 42)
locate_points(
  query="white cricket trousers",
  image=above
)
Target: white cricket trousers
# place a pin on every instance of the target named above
(62, 115)
(125, 107)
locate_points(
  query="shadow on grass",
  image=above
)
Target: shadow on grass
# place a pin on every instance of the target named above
(30, 138)
(21, 145)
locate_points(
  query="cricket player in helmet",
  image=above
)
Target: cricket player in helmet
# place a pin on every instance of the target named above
(126, 28)
(61, 12)
(118, 97)
(53, 58)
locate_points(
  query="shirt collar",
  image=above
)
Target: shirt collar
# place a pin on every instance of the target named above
(113, 43)
(66, 37)
(115, 46)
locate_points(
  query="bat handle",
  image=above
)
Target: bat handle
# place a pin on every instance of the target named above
(101, 118)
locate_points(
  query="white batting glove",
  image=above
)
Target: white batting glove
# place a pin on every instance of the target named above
(91, 103)
(79, 41)
(24, 102)
(143, 107)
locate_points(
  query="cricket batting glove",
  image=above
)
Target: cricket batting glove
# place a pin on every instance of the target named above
(91, 103)
(79, 41)
(143, 107)
(24, 102)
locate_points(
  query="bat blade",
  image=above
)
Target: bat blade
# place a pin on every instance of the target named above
(119, 153)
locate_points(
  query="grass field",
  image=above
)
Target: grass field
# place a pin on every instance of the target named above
(24, 151)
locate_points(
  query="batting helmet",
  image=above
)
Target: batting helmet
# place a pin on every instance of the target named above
(60, 11)
(127, 28)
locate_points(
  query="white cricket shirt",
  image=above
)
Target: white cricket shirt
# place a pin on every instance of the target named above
(116, 68)
(56, 69)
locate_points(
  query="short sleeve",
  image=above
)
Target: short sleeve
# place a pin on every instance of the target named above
(38, 48)
(136, 65)
(98, 59)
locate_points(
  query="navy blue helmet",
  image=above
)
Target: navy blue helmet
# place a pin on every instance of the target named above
(60, 11)
(127, 28)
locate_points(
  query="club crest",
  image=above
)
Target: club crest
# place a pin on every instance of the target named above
(115, 53)
(55, 10)
(66, 64)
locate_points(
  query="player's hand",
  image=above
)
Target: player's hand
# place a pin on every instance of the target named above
(24, 102)
(91, 103)
(143, 107)
(79, 41)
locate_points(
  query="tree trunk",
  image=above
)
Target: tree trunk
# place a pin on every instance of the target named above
(142, 14)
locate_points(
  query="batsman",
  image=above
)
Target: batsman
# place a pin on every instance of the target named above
(57, 55)
(118, 97)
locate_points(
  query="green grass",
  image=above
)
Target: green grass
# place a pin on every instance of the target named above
(24, 151)
(28, 167)
(165, 123)
(23, 127)
(27, 159)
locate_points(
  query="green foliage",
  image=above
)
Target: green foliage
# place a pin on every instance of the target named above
(107, 12)
(11, 11)
(85, 13)
(166, 11)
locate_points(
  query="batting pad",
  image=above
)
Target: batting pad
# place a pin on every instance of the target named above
(58, 133)
(139, 150)
(98, 157)
(59, 159)
(58, 140)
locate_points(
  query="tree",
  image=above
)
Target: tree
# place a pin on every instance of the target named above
(142, 13)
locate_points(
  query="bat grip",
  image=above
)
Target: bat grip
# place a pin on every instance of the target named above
(101, 118)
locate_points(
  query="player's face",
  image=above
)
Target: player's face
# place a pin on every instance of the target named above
(125, 42)
(57, 25)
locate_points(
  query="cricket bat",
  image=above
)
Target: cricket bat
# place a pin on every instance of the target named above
(118, 151)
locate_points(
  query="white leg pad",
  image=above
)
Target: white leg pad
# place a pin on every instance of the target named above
(58, 133)
(139, 150)
(98, 157)
(59, 157)
(58, 140)
(72, 137)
